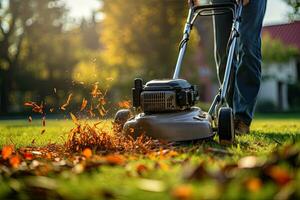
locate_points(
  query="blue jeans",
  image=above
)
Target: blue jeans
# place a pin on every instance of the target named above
(246, 75)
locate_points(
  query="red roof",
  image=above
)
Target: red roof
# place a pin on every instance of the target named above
(287, 33)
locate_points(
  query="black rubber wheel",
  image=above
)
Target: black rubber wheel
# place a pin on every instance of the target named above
(225, 125)
(120, 119)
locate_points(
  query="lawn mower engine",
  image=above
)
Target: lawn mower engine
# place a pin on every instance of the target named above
(160, 96)
(166, 111)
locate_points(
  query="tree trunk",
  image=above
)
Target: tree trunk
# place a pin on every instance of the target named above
(4, 94)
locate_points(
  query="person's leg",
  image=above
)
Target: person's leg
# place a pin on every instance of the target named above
(222, 27)
(248, 73)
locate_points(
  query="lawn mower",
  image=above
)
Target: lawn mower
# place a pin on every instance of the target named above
(164, 109)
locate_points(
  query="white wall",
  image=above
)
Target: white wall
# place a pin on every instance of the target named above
(272, 74)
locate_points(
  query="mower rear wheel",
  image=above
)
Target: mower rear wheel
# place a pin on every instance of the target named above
(225, 125)
(120, 119)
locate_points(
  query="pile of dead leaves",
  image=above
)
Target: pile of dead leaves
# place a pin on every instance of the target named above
(103, 141)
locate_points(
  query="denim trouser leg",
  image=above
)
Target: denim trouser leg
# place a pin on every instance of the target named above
(248, 63)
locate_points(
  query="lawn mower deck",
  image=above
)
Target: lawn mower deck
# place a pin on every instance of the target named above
(192, 124)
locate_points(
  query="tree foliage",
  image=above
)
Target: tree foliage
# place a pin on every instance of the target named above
(36, 52)
(295, 5)
(273, 50)
(141, 37)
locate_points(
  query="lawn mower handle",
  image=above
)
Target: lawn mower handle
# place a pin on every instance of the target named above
(194, 12)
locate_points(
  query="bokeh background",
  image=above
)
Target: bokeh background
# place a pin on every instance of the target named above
(51, 48)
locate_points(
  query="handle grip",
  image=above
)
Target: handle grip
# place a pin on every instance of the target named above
(215, 9)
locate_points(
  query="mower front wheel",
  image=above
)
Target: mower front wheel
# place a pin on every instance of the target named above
(120, 119)
(225, 125)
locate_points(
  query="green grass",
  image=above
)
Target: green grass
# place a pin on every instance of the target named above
(123, 182)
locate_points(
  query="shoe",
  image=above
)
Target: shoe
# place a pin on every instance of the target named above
(240, 127)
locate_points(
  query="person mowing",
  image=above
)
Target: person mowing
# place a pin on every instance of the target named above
(247, 63)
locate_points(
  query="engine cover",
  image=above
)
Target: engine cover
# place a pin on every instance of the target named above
(164, 95)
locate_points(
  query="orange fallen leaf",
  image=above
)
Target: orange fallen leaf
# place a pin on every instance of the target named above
(14, 161)
(182, 192)
(28, 156)
(124, 104)
(83, 104)
(7, 151)
(87, 152)
(254, 184)
(140, 169)
(115, 159)
(280, 175)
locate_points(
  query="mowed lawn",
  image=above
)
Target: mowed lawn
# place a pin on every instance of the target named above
(160, 177)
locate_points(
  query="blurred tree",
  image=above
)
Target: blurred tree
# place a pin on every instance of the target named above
(31, 42)
(92, 67)
(89, 30)
(37, 52)
(13, 18)
(141, 38)
(295, 14)
(273, 50)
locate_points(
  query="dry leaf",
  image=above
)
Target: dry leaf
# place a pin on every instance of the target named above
(182, 192)
(115, 159)
(279, 174)
(63, 107)
(254, 184)
(125, 104)
(28, 156)
(83, 104)
(102, 111)
(7, 151)
(74, 119)
(141, 168)
(95, 91)
(87, 152)
(35, 107)
(44, 121)
(14, 161)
